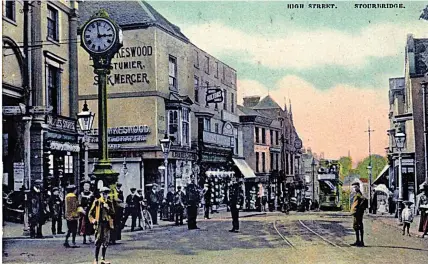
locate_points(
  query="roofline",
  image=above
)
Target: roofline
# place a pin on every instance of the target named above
(193, 44)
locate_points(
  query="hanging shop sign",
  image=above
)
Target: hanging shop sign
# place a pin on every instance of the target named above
(214, 96)
(69, 147)
(123, 134)
(62, 123)
(183, 155)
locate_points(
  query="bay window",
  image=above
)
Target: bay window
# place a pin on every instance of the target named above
(179, 126)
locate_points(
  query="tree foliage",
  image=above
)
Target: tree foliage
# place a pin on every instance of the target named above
(345, 167)
(378, 163)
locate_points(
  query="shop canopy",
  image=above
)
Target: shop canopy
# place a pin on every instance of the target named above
(244, 168)
(382, 177)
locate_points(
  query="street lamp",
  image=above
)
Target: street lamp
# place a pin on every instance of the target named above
(400, 138)
(313, 180)
(86, 120)
(165, 145)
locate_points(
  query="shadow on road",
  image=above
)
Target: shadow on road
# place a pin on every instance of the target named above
(396, 247)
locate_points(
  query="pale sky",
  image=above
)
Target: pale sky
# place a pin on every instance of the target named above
(333, 64)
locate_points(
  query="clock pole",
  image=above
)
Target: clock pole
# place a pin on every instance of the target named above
(102, 64)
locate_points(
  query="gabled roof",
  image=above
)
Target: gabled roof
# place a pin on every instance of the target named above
(267, 103)
(129, 14)
(248, 111)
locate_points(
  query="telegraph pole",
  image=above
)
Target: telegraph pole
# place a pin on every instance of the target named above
(369, 131)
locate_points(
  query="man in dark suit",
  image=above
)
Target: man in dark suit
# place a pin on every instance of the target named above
(192, 198)
(207, 201)
(236, 199)
(179, 204)
(154, 204)
(132, 202)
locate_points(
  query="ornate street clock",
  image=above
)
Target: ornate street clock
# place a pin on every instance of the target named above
(101, 38)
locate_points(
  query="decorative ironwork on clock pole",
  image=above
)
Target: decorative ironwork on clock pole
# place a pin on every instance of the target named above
(102, 38)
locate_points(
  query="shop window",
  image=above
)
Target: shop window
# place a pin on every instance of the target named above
(172, 73)
(68, 164)
(173, 125)
(257, 162)
(264, 162)
(196, 84)
(51, 164)
(54, 89)
(257, 135)
(9, 9)
(52, 23)
(207, 124)
(186, 126)
(263, 136)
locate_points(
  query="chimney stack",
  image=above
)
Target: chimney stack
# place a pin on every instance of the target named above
(251, 101)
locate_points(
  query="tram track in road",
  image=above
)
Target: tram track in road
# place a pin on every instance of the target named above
(305, 229)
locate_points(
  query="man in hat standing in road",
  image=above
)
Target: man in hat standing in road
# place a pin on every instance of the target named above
(179, 203)
(55, 208)
(118, 204)
(71, 215)
(235, 205)
(132, 203)
(154, 204)
(140, 198)
(36, 210)
(207, 200)
(359, 205)
(192, 199)
(170, 203)
(101, 216)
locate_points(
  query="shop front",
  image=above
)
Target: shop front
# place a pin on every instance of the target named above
(60, 152)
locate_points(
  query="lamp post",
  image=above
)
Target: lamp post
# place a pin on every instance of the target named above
(313, 179)
(369, 173)
(424, 93)
(165, 145)
(400, 138)
(86, 120)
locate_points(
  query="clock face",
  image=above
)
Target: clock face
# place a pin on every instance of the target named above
(99, 35)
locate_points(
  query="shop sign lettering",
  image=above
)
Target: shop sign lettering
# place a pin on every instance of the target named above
(61, 123)
(121, 139)
(124, 76)
(184, 155)
(125, 130)
(214, 96)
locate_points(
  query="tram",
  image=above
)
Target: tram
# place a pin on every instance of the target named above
(330, 187)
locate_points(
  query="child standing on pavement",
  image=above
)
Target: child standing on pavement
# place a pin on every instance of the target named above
(407, 216)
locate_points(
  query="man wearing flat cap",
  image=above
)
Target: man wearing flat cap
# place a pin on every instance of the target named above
(359, 205)
(55, 208)
(36, 210)
(132, 203)
(101, 216)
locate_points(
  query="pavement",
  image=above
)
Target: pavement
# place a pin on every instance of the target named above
(391, 221)
(272, 237)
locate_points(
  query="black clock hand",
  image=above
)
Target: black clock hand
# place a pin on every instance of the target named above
(106, 35)
(98, 30)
